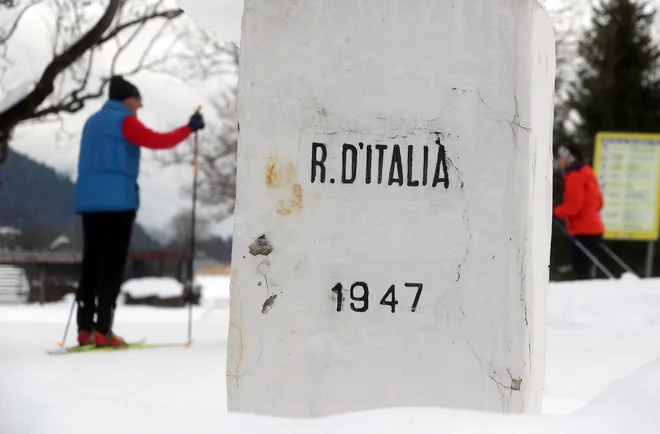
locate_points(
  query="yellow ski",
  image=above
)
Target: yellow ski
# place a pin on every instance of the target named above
(90, 348)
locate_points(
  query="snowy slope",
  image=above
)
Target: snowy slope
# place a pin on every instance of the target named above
(599, 333)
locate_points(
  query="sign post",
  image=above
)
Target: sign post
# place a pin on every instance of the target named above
(628, 169)
(393, 213)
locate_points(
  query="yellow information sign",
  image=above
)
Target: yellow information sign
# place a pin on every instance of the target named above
(628, 169)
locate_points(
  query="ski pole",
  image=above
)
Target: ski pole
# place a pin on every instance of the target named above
(191, 258)
(584, 249)
(617, 259)
(68, 322)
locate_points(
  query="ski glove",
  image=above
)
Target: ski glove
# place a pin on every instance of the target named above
(196, 122)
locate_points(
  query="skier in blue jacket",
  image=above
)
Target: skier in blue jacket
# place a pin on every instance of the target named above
(107, 198)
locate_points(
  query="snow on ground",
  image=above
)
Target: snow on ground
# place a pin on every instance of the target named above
(162, 287)
(215, 289)
(599, 333)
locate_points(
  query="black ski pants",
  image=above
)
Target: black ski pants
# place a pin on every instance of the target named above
(583, 266)
(106, 237)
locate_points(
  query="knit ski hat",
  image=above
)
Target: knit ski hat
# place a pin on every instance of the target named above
(121, 89)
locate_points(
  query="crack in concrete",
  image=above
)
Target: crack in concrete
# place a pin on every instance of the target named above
(466, 220)
(484, 102)
(262, 269)
(522, 254)
(236, 329)
(515, 382)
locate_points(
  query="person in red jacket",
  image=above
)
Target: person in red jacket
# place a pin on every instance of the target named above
(581, 207)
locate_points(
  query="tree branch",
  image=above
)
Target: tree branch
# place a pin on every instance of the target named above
(45, 86)
(168, 15)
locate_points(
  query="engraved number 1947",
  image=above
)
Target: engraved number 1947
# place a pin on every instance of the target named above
(359, 295)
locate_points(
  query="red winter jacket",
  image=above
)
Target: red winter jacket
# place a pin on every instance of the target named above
(138, 134)
(582, 203)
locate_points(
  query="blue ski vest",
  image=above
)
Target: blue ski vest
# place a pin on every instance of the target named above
(108, 165)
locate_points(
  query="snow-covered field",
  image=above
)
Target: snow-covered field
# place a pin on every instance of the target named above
(599, 333)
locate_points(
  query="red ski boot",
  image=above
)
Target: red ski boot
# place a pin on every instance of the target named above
(85, 337)
(108, 340)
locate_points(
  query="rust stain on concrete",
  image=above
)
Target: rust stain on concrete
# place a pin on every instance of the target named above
(290, 173)
(279, 175)
(271, 172)
(291, 205)
(282, 175)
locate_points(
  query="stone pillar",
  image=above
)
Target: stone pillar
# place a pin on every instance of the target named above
(392, 224)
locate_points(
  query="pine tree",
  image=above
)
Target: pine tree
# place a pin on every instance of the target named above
(617, 86)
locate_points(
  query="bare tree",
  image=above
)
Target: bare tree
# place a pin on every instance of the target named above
(181, 227)
(88, 48)
(216, 186)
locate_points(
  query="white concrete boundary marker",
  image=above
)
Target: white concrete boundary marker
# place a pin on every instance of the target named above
(396, 156)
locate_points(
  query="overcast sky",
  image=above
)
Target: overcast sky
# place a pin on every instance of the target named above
(220, 16)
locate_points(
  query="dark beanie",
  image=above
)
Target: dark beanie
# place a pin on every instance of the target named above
(121, 89)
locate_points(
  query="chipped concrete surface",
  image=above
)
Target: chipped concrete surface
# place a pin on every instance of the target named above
(268, 304)
(261, 246)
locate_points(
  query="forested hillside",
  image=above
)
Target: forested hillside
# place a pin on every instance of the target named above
(39, 201)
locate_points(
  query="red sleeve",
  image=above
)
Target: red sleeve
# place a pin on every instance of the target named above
(135, 132)
(573, 198)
